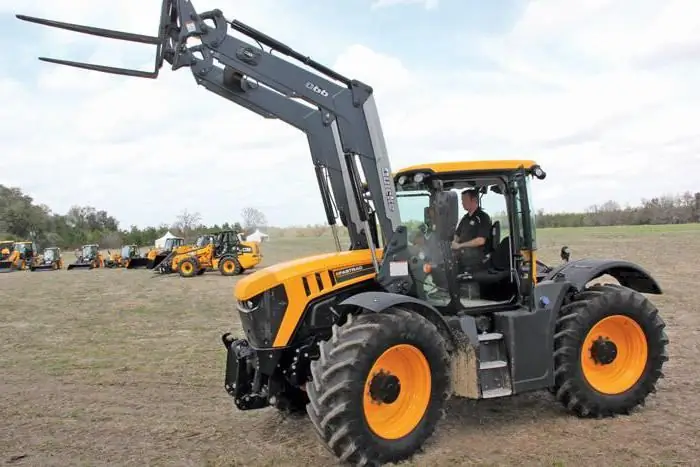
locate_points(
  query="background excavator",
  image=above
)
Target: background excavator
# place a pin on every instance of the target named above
(361, 340)
(89, 257)
(50, 260)
(21, 256)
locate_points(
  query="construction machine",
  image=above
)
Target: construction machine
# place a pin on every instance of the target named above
(19, 257)
(49, 260)
(222, 251)
(89, 257)
(155, 256)
(371, 341)
(6, 249)
(128, 257)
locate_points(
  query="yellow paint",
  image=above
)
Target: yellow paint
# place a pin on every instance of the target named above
(630, 361)
(398, 418)
(291, 275)
(468, 166)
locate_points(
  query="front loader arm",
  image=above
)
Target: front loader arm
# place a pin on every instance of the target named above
(341, 121)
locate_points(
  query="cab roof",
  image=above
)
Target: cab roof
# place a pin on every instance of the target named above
(502, 165)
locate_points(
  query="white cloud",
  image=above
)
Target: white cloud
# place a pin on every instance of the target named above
(427, 4)
(599, 93)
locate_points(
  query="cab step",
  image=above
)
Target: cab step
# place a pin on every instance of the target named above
(494, 368)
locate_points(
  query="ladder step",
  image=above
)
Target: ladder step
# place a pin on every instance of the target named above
(490, 336)
(492, 365)
(499, 392)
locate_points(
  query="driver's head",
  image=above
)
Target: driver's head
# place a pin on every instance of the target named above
(470, 200)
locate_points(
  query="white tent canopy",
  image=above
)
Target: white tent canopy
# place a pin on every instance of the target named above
(258, 236)
(160, 242)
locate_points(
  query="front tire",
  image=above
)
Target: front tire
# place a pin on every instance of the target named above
(609, 350)
(379, 386)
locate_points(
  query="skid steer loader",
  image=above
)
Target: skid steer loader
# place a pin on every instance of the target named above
(369, 342)
(128, 257)
(88, 258)
(20, 257)
(50, 260)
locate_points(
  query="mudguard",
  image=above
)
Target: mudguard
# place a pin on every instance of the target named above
(376, 302)
(628, 274)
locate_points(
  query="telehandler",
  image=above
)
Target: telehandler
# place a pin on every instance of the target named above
(222, 251)
(21, 256)
(89, 257)
(50, 260)
(371, 341)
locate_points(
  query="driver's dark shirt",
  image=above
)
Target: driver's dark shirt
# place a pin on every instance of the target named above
(472, 226)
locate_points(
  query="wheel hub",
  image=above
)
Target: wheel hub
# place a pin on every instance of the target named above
(384, 388)
(603, 351)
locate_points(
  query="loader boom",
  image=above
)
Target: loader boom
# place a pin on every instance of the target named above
(338, 114)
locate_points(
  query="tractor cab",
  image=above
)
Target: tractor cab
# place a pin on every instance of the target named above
(129, 251)
(26, 250)
(172, 243)
(51, 254)
(462, 261)
(89, 252)
(204, 240)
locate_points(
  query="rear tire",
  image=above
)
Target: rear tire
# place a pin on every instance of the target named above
(188, 267)
(229, 266)
(362, 362)
(609, 350)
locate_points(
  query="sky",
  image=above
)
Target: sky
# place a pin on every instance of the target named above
(602, 93)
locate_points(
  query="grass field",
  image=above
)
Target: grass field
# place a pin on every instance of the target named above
(125, 367)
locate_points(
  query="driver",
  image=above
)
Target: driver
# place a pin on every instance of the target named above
(471, 234)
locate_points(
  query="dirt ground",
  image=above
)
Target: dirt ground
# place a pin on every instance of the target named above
(125, 367)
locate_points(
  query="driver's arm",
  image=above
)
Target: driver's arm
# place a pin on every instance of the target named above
(482, 233)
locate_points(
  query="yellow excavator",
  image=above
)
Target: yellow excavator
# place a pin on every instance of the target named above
(18, 257)
(369, 342)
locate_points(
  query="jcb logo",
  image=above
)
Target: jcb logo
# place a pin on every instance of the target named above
(312, 87)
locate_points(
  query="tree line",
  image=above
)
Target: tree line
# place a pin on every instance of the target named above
(21, 218)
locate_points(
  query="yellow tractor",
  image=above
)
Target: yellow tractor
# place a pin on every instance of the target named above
(222, 251)
(50, 260)
(128, 257)
(19, 257)
(155, 256)
(369, 342)
(89, 257)
(5, 249)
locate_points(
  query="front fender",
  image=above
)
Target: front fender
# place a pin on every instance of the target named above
(628, 274)
(377, 302)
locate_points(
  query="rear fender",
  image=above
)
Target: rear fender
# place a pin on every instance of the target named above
(628, 274)
(377, 302)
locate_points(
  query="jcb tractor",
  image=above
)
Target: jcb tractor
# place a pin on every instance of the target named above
(5, 249)
(20, 258)
(50, 260)
(128, 257)
(89, 257)
(222, 251)
(371, 341)
(156, 256)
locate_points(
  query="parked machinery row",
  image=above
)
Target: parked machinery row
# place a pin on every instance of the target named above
(224, 251)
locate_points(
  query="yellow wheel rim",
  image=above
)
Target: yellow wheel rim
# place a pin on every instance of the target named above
(614, 354)
(187, 267)
(397, 391)
(228, 266)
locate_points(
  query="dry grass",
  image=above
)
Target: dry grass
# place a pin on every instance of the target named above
(126, 367)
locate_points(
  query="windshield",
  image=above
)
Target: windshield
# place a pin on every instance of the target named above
(126, 250)
(89, 251)
(173, 243)
(49, 255)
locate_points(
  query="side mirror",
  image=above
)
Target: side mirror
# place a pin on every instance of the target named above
(447, 211)
(565, 254)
